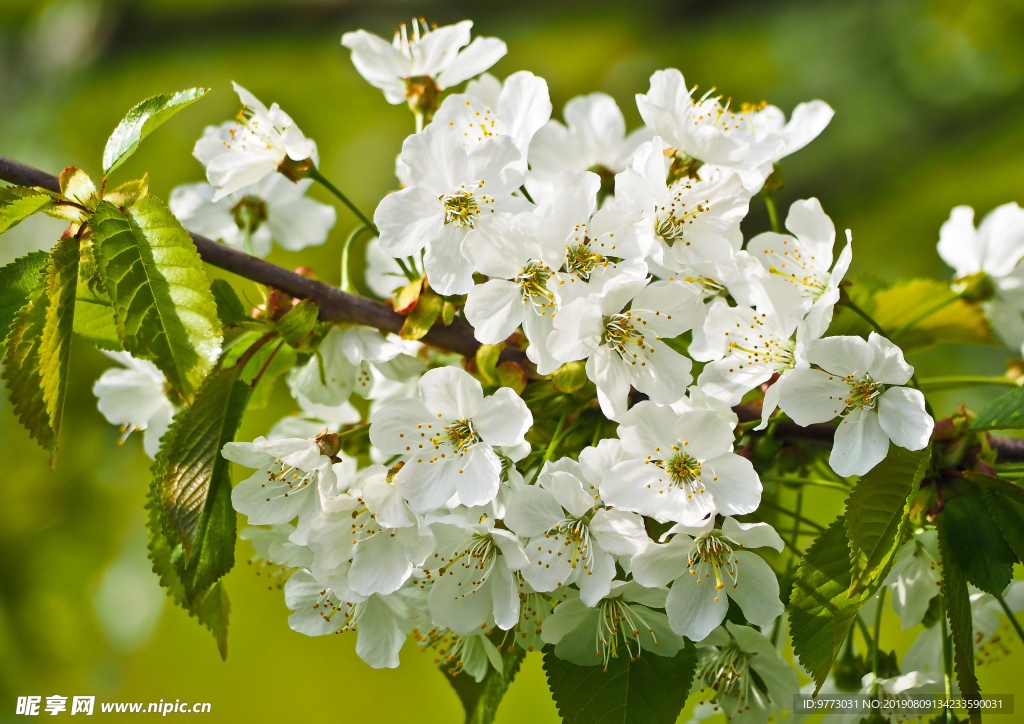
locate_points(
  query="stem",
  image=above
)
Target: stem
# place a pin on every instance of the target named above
(807, 481)
(796, 520)
(878, 631)
(354, 432)
(346, 281)
(1009, 615)
(947, 659)
(419, 121)
(405, 270)
(866, 317)
(957, 381)
(791, 514)
(314, 173)
(773, 211)
(525, 193)
(555, 438)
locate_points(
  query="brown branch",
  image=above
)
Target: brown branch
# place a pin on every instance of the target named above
(334, 304)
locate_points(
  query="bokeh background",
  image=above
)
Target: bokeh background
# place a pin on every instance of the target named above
(928, 98)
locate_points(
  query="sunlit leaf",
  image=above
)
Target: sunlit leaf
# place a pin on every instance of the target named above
(142, 120)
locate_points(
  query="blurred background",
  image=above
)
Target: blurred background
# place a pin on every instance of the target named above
(928, 99)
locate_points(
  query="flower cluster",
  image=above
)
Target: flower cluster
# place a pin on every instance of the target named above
(419, 494)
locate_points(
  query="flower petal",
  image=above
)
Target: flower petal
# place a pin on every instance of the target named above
(860, 444)
(695, 607)
(902, 415)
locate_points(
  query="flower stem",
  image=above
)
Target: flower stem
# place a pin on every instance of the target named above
(405, 270)
(1009, 615)
(866, 317)
(773, 211)
(419, 121)
(806, 481)
(556, 436)
(314, 173)
(956, 381)
(791, 514)
(354, 432)
(346, 270)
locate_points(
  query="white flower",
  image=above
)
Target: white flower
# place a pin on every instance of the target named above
(240, 153)
(341, 366)
(534, 609)
(747, 677)
(620, 625)
(133, 397)
(431, 61)
(273, 545)
(572, 539)
(488, 108)
(272, 210)
(292, 476)
(757, 346)
(383, 275)
(696, 220)
(470, 574)
(804, 260)
(697, 399)
(383, 622)
(860, 382)
(748, 142)
(709, 569)
(447, 436)
(683, 468)
(374, 529)
(313, 419)
(915, 577)
(451, 190)
(622, 346)
(994, 248)
(471, 653)
(592, 139)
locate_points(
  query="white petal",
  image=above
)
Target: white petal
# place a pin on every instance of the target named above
(533, 511)
(752, 535)
(611, 375)
(408, 219)
(757, 589)
(810, 396)
(860, 444)
(649, 428)
(704, 434)
(503, 418)
(695, 609)
(477, 475)
(888, 367)
(494, 308)
(659, 565)
(394, 430)
(902, 415)
(568, 491)
(472, 60)
(379, 565)
(448, 271)
(451, 393)
(380, 637)
(734, 483)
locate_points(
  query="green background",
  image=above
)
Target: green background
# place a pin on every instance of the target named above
(928, 99)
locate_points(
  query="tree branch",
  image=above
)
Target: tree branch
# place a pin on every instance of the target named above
(334, 304)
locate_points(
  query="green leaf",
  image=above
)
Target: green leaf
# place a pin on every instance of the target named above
(979, 548)
(142, 120)
(422, 317)
(229, 307)
(512, 375)
(1004, 487)
(162, 302)
(18, 203)
(17, 280)
(296, 325)
(1009, 516)
(76, 185)
(901, 304)
(821, 608)
(571, 376)
(213, 613)
(958, 611)
(877, 510)
(191, 482)
(94, 312)
(480, 699)
(650, 689)
(1006, 412)
(22, 367)
(55, 346)
(487, 359)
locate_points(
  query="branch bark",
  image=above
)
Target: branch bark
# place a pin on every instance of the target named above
(334, 304)
(338, 306)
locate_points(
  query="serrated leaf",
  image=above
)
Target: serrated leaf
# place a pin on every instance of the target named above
(979, 548)
(958, 612)
(821, 609)
(18, 203)
(480, 699)
(128, 193)
(22, 371)
(229, 307)
(1006, 412)
(650, 689)
(55, 346)
(17, 280)
(1004, 487)
(877, 511)
(162, 302)
(900, 304)
(298, 322)
(570, 377)
(422, 317)
(1009, 516)
(191, 481)
(94, 311)
(142, 120)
